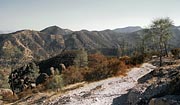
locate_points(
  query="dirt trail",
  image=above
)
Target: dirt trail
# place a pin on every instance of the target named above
(102, 92)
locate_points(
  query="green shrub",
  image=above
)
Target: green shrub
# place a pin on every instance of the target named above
(54, 82)
(137, 59)
(3, 80)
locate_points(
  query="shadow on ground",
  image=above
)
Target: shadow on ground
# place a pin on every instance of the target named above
(120, 100)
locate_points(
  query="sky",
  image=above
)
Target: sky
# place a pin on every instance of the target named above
(84, 14)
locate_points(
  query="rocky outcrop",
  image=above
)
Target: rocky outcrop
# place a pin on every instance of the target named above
(158, 83)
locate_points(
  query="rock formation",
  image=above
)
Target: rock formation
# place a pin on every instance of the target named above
(159, 87)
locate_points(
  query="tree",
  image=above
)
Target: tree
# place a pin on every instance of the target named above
(160, 29)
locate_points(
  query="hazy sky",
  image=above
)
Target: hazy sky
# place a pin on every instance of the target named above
(84, 14)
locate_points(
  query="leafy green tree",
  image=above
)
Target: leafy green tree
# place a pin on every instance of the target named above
(160, 29)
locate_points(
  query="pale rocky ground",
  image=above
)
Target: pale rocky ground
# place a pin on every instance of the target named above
(102, 92)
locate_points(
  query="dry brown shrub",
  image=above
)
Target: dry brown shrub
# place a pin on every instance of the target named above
(122, 69)
(73, 74)
(107, 67)
(99, 67)
(7, 95)
(96, 60)
(126, 60)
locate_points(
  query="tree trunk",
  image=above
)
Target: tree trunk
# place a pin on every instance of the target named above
(160, 57)
(160, 64)
(161, 51)
(165, 47)
(12, 79)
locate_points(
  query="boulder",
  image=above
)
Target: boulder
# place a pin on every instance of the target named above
(52, 70)
(62, 66)
(135, 95)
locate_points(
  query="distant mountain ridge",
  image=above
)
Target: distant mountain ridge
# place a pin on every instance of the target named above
(128, 29)
(52, 40)
(4, 32)
(56, 30)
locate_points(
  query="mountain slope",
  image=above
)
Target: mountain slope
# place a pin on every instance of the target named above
(89, 40)
(175, 41)
(178, 27)
(32, 43)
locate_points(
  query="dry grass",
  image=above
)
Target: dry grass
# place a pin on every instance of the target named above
(34, 98)
(28, 92)
(73, 86)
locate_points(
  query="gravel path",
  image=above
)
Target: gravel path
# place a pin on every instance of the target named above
(103, 92)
